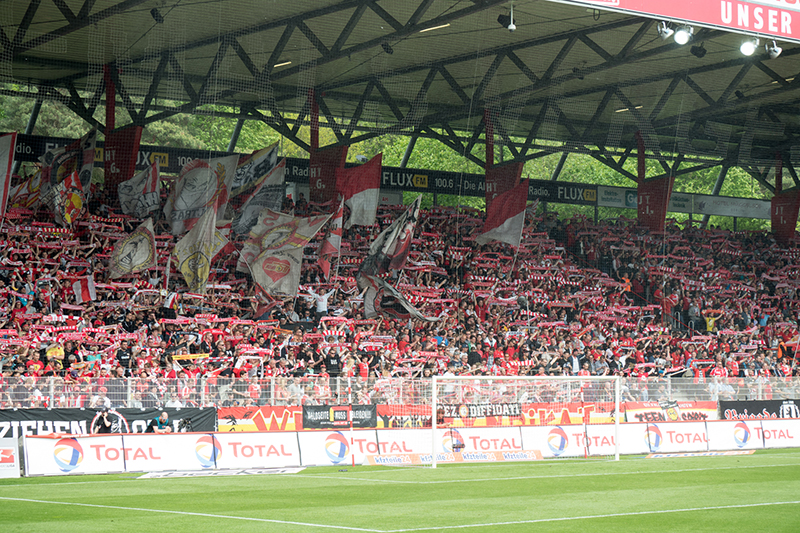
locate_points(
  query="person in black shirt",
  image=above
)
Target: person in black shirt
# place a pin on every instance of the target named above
(102, 424)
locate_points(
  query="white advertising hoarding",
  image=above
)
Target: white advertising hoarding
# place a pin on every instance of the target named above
(9, 458)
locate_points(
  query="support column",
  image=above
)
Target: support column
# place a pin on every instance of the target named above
(237, 130)
(37, 107)
(717, 187)
(410, 148)
(559, 166)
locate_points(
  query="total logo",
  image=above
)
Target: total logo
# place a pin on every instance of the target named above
(207, 450)
(336, 447)
(452, 441)
(68, 454)
(557, 441)
(653, 437)
(741, 434)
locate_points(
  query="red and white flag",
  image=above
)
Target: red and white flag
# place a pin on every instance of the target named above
(333, 243)
(7, 145)
(26, 194)
(141, 195)
(506, 218)
(274, 252)
(84, 290)
(500, 179)
(201, 185)
(360, 187)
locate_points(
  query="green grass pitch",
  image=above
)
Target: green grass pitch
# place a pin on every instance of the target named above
(759, 492)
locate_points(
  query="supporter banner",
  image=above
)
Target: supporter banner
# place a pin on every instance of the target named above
(323, 165)
(759, 409)
(785, 207)
(653, 198)
(14, 423)
(778, 18)
(9, 458)
(481, 410)
(670, 411)
(264, 418)
(338, 416)
(120, 153)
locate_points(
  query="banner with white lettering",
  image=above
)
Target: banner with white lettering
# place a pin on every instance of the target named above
(14, 423)
(338, 416)
(778, 18)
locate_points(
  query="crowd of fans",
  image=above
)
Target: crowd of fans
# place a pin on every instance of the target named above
(719, 308)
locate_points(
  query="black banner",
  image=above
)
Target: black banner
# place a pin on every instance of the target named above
(14, 422)
(759, 409)
(480, 410)
(337, 416)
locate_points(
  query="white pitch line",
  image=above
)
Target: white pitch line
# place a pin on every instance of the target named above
(204, 515)
(590, 517)
(553, 476)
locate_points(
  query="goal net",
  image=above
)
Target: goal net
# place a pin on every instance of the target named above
(486, 419)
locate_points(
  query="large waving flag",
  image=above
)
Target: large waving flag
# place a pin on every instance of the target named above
(202, 185)
(60, 163)
(251, 172)
(333, 242)
(381, 299)
(274, 252)
(360, 187)
(504, 222)
(196, 250)
(268, 193)
(7, 146)
(66, 200)
(134, 253)
(390, 248)
(141, 195)
(500, 179)
(26, 194)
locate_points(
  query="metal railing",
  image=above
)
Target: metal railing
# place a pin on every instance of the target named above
(55, 392)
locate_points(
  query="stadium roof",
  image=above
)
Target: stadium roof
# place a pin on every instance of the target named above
(569, 79)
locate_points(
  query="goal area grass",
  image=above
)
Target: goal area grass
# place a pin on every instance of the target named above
(758, 492)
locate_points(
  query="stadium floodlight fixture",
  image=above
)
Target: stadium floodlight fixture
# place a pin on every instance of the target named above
(664, 31)
(507, 21)
(683, 34)
(773, 49)
(749, 46)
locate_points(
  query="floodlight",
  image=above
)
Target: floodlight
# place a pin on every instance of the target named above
(664, 31)
(773, 49)
(749, 46)
(683, 34)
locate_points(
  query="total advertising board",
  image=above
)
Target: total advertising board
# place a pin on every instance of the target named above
(96, 454)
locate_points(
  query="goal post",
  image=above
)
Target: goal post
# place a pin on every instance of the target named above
(500, 418)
